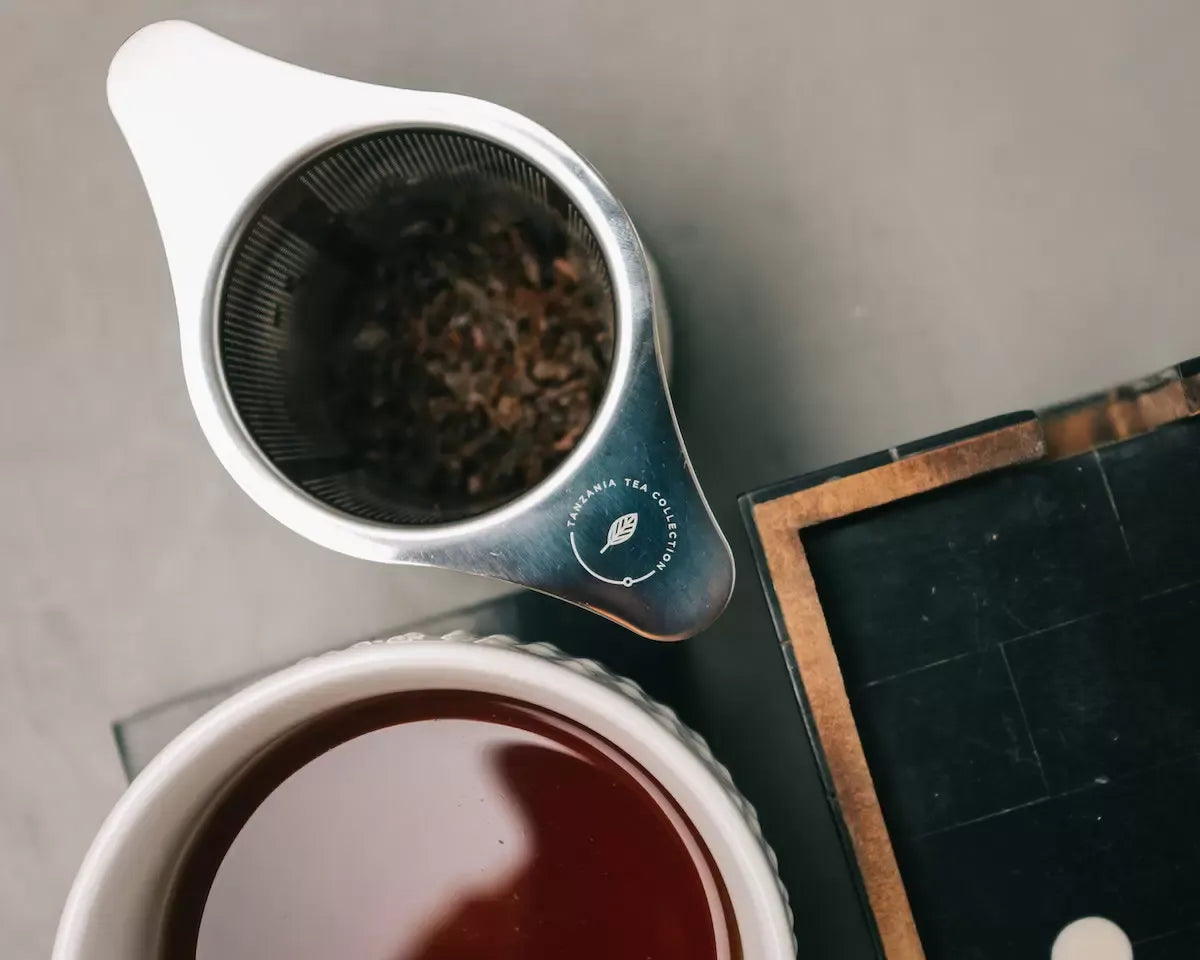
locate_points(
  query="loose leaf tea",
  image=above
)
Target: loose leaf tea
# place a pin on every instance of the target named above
(472, 349)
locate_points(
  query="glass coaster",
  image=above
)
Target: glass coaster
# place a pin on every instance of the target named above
(526, 615)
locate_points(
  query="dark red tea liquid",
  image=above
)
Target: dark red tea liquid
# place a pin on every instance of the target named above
(447, 826)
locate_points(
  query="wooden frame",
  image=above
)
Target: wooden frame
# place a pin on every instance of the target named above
(778, 516)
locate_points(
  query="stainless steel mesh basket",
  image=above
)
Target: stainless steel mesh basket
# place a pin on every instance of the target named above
(287, 274)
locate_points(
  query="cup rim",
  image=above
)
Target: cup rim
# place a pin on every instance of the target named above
(581, 690)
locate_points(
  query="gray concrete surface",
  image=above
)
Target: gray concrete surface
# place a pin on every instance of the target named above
(876, 220)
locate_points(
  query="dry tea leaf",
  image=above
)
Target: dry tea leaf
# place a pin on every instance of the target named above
(473, 350)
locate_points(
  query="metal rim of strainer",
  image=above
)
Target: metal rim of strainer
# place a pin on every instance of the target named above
(291, 257)
(632, 294)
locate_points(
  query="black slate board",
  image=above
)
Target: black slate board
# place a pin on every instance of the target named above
(1021, 653)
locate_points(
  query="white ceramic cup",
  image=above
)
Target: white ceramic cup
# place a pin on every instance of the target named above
(117, 903)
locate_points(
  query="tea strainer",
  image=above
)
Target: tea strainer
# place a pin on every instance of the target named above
(252, 165)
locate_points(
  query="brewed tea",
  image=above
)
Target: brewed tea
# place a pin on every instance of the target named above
(447, 826)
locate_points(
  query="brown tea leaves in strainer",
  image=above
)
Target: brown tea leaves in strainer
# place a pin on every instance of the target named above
(473, 349)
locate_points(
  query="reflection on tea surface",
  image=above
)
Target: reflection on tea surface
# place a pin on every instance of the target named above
(448, 826)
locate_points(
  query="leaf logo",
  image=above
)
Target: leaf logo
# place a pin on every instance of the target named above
(621, 530)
